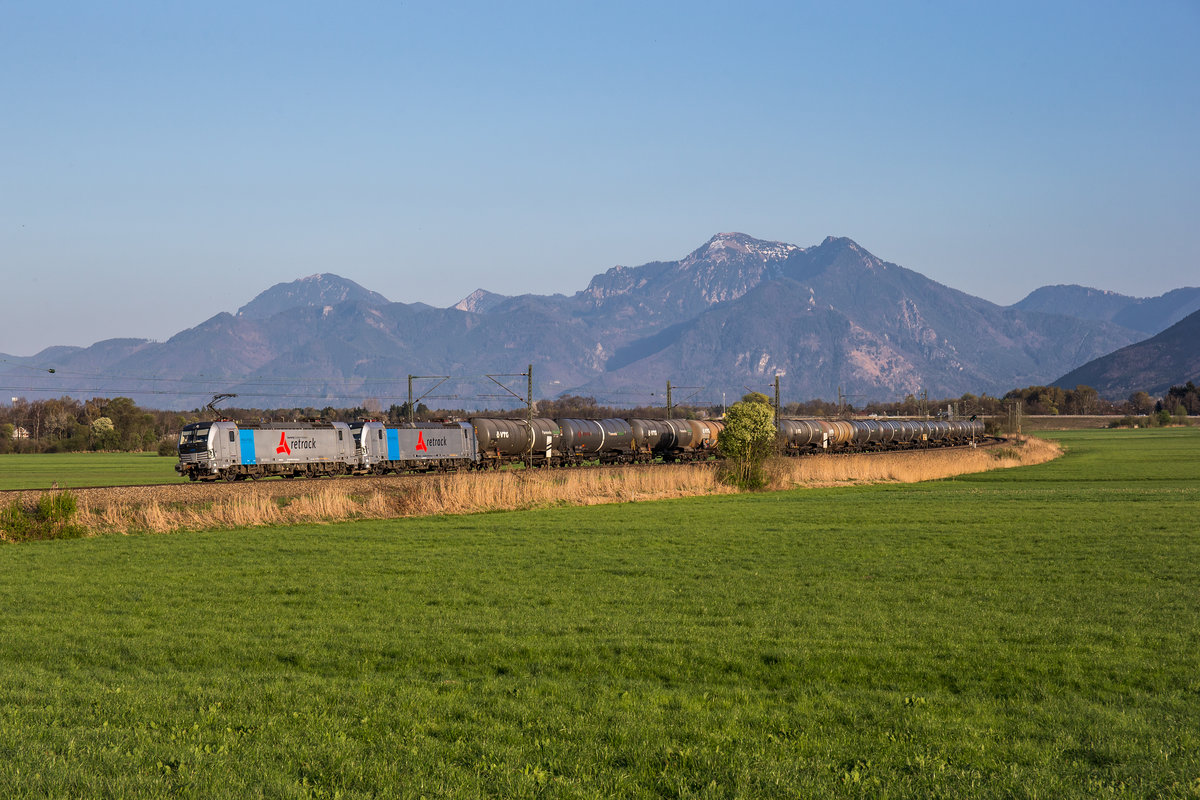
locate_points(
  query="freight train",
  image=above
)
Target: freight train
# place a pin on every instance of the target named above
(227, 450)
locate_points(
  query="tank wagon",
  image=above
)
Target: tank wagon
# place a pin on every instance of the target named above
(227, 450)
(502, 441)
(811, 435)
(690, 439)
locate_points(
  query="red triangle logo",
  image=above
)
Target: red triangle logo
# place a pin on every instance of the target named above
(283, 445)
(421, 442)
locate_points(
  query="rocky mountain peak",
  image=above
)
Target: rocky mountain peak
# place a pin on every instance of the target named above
(480, 301)
(724, 268)
(322, 290)
(726, 247)
(836, 255)
(844, 246)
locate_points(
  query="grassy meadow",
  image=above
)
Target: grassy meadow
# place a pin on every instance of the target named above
(1032, 632)
(79, 470)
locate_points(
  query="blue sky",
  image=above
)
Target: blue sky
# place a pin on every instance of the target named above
(160, 162)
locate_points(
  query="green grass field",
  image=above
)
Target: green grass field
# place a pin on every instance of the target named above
(79, 470)
(1030, 633)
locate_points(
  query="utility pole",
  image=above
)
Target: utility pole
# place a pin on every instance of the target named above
(776, 403)
(411, 402)
(670, 388)
(529, 400)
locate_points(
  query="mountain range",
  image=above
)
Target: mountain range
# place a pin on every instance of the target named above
(1170, 358)
(1145, 315)
(729, 316)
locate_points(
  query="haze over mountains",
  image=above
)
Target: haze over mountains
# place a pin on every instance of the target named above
(1171, 358)
(732, 314)
(1148, 315)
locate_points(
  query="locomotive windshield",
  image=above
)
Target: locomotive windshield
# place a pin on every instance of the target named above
(194, 434)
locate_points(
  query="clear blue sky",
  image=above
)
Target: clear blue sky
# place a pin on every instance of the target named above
(162, 162)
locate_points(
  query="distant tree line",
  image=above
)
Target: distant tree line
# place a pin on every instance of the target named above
(1033, 400)
(69, 425)
(1055, 400)
(1178, 401)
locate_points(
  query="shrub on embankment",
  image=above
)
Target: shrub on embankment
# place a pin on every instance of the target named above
(51, 517)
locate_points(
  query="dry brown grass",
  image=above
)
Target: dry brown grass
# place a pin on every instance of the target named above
(906, 467)
(465, 493)
(325, 504)
(470, 492)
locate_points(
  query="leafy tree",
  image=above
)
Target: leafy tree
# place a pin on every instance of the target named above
(1082, 400)
(1141, 403)
(746, 442)
(398, 414)
(1187, 396)
(104, 434)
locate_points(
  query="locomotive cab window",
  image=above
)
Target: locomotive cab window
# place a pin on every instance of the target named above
(231, 436)
(381, 434)
(339, 436)
(194, 435)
